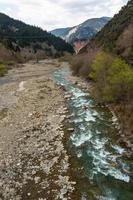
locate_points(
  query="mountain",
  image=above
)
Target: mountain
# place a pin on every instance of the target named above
(60, 32)
(83, 31)
(86, 30)
(29, 41)
(117, 34)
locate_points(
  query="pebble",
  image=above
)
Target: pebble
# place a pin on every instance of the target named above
(70, 129)
(39, 155)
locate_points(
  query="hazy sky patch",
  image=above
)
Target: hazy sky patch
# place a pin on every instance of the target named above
(51, 14)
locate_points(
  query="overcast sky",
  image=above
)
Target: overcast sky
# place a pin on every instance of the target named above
(51, 14)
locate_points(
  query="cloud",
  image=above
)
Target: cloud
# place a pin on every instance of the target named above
(50, 14)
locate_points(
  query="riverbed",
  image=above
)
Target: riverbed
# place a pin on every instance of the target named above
(55, 141)
(34, 164)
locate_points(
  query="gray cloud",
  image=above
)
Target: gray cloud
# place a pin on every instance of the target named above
(50, 14)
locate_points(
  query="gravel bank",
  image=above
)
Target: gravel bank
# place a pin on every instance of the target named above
(33, 161)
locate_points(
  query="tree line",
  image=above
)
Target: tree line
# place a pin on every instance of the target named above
(15, 31)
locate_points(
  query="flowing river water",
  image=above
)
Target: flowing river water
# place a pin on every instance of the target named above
(107, 174)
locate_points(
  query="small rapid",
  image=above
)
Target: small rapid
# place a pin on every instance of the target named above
(93, 142)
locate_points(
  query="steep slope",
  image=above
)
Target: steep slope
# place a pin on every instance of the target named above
(82, 32)
(29, 41)
(117, 35)
(86, 30)
(61, 32)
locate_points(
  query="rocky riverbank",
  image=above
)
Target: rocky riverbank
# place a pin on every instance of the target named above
(122, 115)
(33, 161)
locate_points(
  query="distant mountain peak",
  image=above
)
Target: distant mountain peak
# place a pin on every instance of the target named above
(83, 31)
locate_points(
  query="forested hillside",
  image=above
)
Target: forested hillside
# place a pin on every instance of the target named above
(16, 35)
(109, 53)
(117, 35)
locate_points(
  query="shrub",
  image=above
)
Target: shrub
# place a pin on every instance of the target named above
(76, 63)
(119, 81)
(100, 67)
(81, 64)
(67, 57)
(113, 78)
(3, 69)
(10, 62)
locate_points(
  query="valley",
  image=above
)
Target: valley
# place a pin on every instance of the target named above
(79, 35)
(66, 101)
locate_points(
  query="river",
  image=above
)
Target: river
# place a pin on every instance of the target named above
(107, 173)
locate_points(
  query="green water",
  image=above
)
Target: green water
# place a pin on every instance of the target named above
(107, 174)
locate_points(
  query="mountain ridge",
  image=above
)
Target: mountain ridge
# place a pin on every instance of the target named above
(59, 32)
(117, 34)
(83, 31)
(19, 37)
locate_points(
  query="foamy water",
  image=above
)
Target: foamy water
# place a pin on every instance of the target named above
(100, 157)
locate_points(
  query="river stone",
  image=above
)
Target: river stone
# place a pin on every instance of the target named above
(70, 129)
